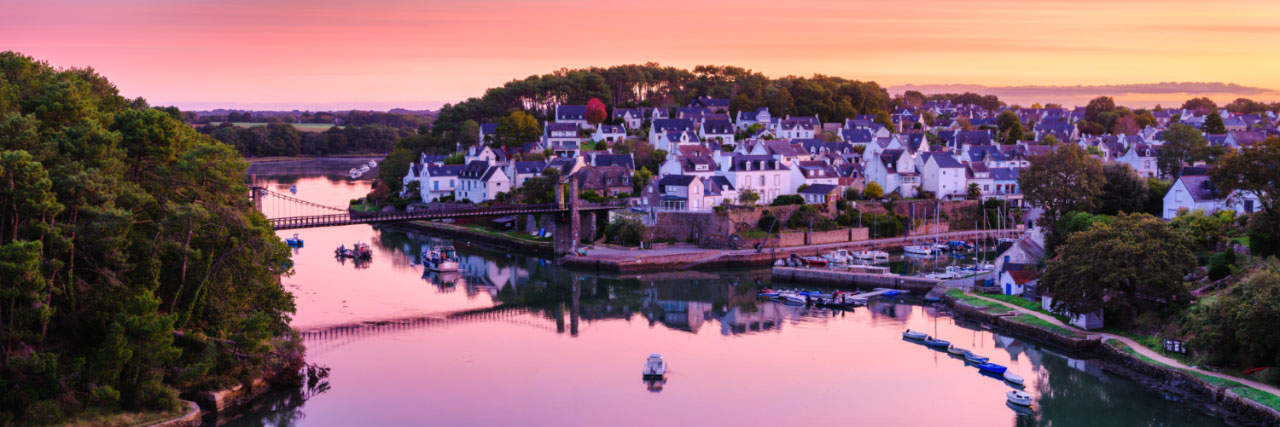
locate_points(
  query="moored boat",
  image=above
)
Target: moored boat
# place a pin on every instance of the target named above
(975, 358)
(1012, 378)
(957, 351)
(443, 259)
(914, 335)
(992, 368)
(1018, 397)
(294, 241)
(655, 367)
(791, 297)
(918, 249)
(936, 343)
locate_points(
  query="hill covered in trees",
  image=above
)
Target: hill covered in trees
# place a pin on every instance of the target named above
(132, 263)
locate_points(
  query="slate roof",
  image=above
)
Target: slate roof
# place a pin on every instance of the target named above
(446, 170)
(770, 163)
(612, 129)
(678, 180)
(667, 125)
(819, 189)
(571, 112)
(717, 126)
(623, 160)
(857, 136)
(1248, 138)
(530, 167)
(1200, 187)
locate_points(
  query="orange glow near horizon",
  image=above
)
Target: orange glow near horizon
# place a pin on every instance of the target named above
(379, 54)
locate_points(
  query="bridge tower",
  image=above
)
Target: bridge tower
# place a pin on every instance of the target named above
(568, 226)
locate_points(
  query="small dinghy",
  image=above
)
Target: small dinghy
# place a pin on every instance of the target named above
(936, 343)
(655, 367)
(914, 335)
(957, 351)
(295, 241)
(791, 298)
(1018, 397)
(992, 368)
(1012, 378)
(975, 358)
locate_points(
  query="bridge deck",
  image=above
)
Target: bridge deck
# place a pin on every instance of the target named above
(348, 218)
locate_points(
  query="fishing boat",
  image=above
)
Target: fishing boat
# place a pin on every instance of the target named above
(443, 259)
(914, 335)
(975, 358)
(957, 351)
(992, 368)
(357, 251)
(294, 241)
(655, 367)
(1018, 397)
(1012, 378)
(918, 249)
(936, 343)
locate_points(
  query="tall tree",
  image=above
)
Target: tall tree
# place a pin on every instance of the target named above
(1099, 105)
(1010, 127)
(1200, 105)
(516, 128)
(1183, 143)
(1131, 265)
(1253, 170)
(1213, 124)
(1063, 180)
(1123, 190)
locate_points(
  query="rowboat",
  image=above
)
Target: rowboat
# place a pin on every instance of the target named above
(992, 368)
(975, 358)
(1018, 397)
(914, 335)
(1012, 378)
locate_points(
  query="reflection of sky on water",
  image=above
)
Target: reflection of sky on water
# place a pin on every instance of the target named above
(567, 348)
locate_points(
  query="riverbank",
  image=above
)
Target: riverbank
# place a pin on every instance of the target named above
(464, 235)
(1251, 401)
(366, 157)
(628, 260)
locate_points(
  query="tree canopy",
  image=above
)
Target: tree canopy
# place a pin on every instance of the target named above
(1183, 143)
(1059, 181)
(122, 227)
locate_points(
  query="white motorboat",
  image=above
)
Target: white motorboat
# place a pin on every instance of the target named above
(918, 249)
(839, 256)
(443, 259)
(1018, 397)
(655, 367)
(870, 255)
(791, 297)
(914, 335)
(1012, 378)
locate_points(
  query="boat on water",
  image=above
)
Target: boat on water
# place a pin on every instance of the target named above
(992, 368)
(294, 241)
(655, 367)
(814, 261)
(975, 358)
(1018, 397)
(791, 297)
(443, 259)
(767, 293)
(293, 189)
(918, 249)
(957, 351)
(914, 335)
(870, 255)
(1013, 378)
(839, 256)
(357, 251)
(373, 163)
(936, 343)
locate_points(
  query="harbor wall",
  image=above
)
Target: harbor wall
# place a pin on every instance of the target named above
(833, 278)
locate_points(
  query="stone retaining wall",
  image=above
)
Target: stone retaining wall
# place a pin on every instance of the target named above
(189, 419)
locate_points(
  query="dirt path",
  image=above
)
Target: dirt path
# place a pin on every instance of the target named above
(1141, 349)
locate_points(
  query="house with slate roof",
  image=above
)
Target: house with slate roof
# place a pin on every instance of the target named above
(717, 131)
(943, 175)
(715, 105)
(604, 180)
(812, 172)
(439, 181)
(612, 134)
(559, 135)
(1192, 192)
(1142, 158)
(487, 132)
(575, 114)
(481, 181)
(658, 129)
(820, 194)
(764, 174)
(894, 170)
(520, 172)
(747, 118)
(696, 165)
(632, 118)
(797, 127)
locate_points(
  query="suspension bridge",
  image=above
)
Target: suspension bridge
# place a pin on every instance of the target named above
(288, 212)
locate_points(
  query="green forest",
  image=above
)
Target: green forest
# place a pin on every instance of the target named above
(132, 263)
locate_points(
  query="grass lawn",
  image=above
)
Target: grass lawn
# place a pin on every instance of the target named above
(991, 307)
(1267, 399)
(1152, 342)
(1027, 304)
(302, 127)
(364, 207)
(753, 234)
(514, 235)
(1242, 240)
(1028, 319)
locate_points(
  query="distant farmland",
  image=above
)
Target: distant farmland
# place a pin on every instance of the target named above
(303, 127)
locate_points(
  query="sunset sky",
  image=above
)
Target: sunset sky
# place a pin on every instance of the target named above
(321, 54)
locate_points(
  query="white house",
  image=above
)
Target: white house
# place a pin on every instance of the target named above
(1088, 321)
(943, 175)
(819, 194)
(689, 193)
(1016, 282)
(765, 175)
(611, 134)
(575, 114)
(632, 118)
(894, 170)
(520, 172)
(811, 173)
(439, 181)
(719, 131)
(1142, 158)
(747, 118)
(559, 135)
(701, 166)
(658, 129)
(480, 182)
(797, 127)
(1194, 192)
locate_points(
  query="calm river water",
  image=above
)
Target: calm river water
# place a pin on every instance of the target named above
(514, 340)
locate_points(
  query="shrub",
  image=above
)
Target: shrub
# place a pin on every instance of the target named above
(787, 199)
(1219, 271)
(767, 221)
(624, 231)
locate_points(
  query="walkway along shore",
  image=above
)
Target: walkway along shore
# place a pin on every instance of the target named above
(663, 259)
(1157, 366)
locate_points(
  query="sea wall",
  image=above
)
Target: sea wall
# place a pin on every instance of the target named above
(834, 278)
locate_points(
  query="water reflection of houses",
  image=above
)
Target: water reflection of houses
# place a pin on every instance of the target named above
(691, 316)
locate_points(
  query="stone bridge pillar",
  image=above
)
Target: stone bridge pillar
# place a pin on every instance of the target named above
(589, 227)
(568, 224)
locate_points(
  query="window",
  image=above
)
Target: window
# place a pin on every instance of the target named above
(777, 180)
(762, 182)
(435, 185)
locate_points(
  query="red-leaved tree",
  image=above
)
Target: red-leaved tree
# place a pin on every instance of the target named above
(595, 111)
